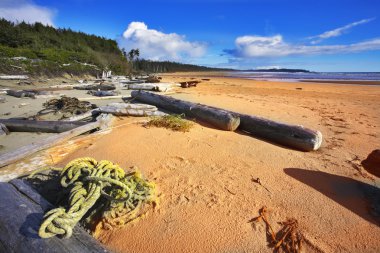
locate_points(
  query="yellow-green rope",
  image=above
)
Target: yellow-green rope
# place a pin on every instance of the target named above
(89, 180)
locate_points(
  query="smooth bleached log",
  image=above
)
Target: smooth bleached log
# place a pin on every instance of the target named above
(19, 125)
(123, 109)
(296, 137)
(216, 117)
(89, 114)
(11, 157)
(14, 77)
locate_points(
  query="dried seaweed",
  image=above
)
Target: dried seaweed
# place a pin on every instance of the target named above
(288, 239)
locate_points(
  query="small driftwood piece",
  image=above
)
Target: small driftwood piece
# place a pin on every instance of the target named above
(3, 129)
(216, 117)
(22, 210)
(123, 109)
(189, 84)
(19, 125)
(2, 100)
(297, 137)
(103, 121)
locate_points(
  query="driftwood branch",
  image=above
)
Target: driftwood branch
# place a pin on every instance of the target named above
(219, 118)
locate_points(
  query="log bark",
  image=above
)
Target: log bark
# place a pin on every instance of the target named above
(22, 210)
(293, 136)
(11, 157)
(19, 125)
(216, 117)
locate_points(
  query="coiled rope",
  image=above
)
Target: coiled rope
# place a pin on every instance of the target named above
(89, 181)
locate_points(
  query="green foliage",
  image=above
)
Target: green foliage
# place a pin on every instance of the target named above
(61, 50)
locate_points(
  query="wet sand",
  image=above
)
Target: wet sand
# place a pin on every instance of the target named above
(207, 196)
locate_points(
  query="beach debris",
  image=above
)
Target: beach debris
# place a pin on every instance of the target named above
(13, 77)
(153, 79)
(205, 79)
(372, 163)
(3, 129)
(20, 125)
(25, 83)
(2, 100)
(103, 93)
(68, 106)
(288, 239)
(173, 122)
(258, 181)
(102, 122)
(217, 117)
(189, 84)
(90, 114)
(102, 192)
(124, 109)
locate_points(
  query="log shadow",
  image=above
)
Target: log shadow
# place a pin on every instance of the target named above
(31, 225)
(361, 198)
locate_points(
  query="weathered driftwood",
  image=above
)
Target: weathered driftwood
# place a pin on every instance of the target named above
(103, 93)
(92, 113)
(21, 93)
(297, 137)
(22, 210)
(189, 84)
(95, 87)
(19, 125)
(123, 109)
(3, 130)
(14, 77)
(11, 157)
(100, 98)
(161, 87)
(219, 118)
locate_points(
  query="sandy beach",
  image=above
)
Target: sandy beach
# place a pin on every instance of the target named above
(206, 177)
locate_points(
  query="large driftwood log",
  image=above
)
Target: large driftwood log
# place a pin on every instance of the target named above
(22, 210)
(95, 87)
(219, 118)
(19, 125)
(297, 137)
(123, 109)
(11, 157)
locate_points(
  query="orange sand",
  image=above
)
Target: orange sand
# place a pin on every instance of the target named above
(205, 176)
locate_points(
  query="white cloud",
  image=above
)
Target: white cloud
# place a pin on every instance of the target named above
(338, 31)
(275, 46)
(23, 10)
(156, 45)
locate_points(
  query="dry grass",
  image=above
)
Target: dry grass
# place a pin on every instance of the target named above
(173, 122)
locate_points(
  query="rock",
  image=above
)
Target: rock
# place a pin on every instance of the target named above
(372, 163)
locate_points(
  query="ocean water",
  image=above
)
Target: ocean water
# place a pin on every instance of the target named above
(362, 76)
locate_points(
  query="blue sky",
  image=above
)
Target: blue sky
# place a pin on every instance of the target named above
(317, 35)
